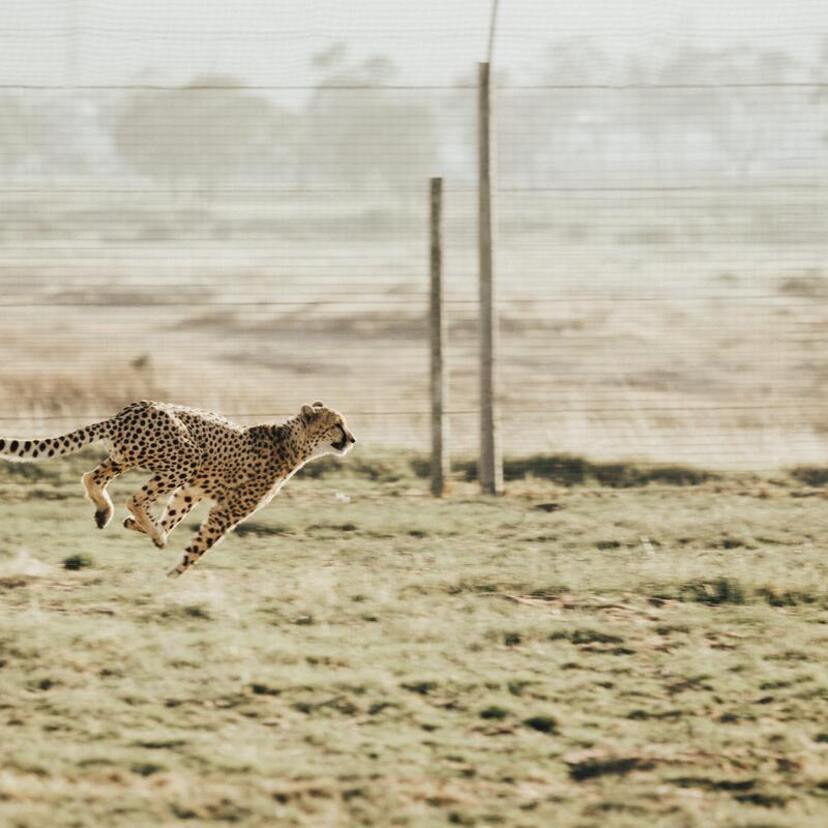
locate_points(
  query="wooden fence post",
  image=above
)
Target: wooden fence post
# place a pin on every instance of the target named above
(490, 464)
(439, 384)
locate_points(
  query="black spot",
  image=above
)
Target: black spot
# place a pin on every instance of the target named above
(2, 444)
(14, 445)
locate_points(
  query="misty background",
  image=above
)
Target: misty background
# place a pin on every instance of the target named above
(79, 90)
(227, 207)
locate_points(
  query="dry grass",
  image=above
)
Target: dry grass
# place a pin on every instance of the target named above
(676, 327)
(361, 654)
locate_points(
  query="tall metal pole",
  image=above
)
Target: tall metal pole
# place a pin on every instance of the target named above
(492, 30)
(490, 465)
(439, 384)
(73, 35)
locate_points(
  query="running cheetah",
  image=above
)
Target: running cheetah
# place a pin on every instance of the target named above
(193, 455)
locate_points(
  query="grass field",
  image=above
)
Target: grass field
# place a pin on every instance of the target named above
(642, 648)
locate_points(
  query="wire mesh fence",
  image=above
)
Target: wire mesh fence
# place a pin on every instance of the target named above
(247, 247)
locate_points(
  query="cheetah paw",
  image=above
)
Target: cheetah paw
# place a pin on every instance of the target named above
(102, 518)
(131, 523)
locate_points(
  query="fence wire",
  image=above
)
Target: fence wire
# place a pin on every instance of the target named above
(247, 247)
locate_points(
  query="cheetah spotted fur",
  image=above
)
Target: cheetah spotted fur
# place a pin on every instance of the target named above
(193, 455)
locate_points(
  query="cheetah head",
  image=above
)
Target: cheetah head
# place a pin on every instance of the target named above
(326, 430)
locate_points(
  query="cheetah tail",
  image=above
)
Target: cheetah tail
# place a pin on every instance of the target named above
(21, 450)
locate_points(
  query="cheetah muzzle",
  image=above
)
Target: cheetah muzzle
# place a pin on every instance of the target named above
(193, 455)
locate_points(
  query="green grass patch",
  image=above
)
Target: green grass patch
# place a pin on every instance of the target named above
(261, 530)
(494, 712)
(729, 590)
(363, 654)
(571, 470)
(75, 562)
(563, 469)
(816, 476)
(613, 766)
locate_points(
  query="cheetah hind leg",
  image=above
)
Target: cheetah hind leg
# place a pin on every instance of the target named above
(180, 503)
(139, 503)
(131, 523)
(95, 483)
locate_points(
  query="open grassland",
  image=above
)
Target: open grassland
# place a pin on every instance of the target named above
(607, 645)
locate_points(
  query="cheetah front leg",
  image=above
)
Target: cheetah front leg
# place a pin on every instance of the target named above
(181, 504)
(222, 518)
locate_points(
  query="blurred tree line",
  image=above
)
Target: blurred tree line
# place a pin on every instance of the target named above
(352, 130)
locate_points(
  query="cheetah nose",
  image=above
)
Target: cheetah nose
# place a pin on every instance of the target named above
(351, 438)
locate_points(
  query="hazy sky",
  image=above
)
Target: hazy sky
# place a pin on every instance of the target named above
(433, 41)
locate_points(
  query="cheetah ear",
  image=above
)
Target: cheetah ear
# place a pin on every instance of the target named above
(318, 404)
(307, 414)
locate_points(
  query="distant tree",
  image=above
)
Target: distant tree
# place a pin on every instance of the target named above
(21, 133)
(208, 132)
(582, 120)
(741, 119)
(674, 126)
(361, 134)
(547, 133)
(755, 121)
(819, 75)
